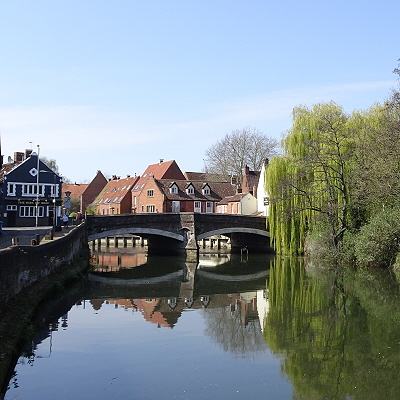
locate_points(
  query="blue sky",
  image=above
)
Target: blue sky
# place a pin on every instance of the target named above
(117, 85)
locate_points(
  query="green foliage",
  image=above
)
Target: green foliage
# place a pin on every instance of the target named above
(337, 334)
(308, 184)
(90, 210)
(377, 243)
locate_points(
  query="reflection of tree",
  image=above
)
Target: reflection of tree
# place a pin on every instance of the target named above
(229, 327)
(340, 337)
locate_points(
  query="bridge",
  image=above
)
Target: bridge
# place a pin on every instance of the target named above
(176, 232)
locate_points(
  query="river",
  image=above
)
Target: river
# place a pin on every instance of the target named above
(225, 327)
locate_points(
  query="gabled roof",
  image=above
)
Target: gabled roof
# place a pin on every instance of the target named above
(232, 199)
(6, 168)
(218, 190)
(116, 190)
(162, 170)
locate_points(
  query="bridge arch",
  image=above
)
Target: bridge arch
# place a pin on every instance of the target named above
(140, 231)
(228, 231)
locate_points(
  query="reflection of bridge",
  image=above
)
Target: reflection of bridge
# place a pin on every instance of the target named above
(178, 278)
(173, 231)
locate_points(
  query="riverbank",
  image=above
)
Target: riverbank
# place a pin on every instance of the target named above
(16, 316)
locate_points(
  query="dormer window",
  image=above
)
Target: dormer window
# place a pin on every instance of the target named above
(190, 189)
(173, 189)
(206, 190)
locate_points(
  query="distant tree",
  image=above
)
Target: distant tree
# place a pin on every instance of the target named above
(52, 164)
(241, 147)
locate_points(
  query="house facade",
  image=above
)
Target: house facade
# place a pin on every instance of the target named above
(166, 195)
(262, 195)
(240, 203)
(30, 192)
(116, 196)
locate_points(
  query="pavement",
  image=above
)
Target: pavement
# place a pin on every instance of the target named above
(26, 234)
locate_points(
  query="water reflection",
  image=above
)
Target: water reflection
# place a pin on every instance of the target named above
(339, 332)
(224, 326)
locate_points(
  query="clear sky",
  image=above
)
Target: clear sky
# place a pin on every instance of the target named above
(117, 85)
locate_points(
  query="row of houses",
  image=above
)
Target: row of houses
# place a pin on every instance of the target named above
(32, 194)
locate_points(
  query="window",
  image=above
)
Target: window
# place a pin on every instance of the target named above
(150, 208)
(266, 201)
(150, 193)
(11, 207)
(29, 211)
(190, 190)
(30, 189)
(206, 191)
(197, 206)
(11, 189)
(173, 189)
(209, 207)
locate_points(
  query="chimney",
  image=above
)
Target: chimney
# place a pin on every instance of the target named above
(161, 160)
(233, 180)
(246, 170)
(18, 157)
(28, 153)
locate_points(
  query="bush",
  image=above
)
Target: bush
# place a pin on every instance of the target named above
(377, 243)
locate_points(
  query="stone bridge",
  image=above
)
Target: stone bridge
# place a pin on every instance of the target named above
(171, 232)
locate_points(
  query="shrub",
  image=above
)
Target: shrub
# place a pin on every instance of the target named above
(377, 243)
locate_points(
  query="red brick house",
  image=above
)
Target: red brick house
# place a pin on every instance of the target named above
(250, 181)
(86, 193)
(162, 170)
(166, 195)
(116, 197)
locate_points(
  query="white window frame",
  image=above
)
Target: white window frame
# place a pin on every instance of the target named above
(29, 190)
(11, 189)
(12, 207)
(190, 190)
(209, 207)
(206, 191)
(150, 193)
(150, 208)
(173, 189)
(30, 211)
(197, 206)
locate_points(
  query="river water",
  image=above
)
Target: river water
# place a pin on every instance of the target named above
(225, 327)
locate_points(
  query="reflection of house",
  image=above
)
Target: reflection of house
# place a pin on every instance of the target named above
(85, 193)
(30, 191)
(116, 196)
(157, 192)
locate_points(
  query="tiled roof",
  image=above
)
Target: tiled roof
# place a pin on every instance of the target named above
(116, 190)
(232, 199)
(218, 190)
(6, 168)
(206, 177)
(76, 189)
(162, 170)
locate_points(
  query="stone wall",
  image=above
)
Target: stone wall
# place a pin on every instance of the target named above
(21, 266)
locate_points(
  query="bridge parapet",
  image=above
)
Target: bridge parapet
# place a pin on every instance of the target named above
(182, 230)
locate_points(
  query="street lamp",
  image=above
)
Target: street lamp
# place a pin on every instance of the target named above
(54, 196)
(37, 188)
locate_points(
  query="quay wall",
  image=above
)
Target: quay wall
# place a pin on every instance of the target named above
(21, 266)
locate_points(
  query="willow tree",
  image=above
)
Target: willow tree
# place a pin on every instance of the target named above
(308, 184)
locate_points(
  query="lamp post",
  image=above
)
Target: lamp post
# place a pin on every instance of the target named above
(54, 196)
(37, 188)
